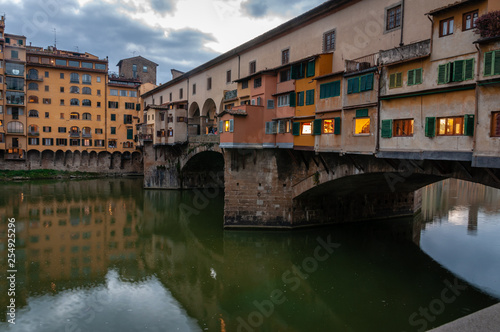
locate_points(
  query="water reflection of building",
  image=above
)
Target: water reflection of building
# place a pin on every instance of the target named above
(467, 198)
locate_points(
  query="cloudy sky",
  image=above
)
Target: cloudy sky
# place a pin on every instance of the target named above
(180, 34)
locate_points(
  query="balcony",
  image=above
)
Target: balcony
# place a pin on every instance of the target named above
(34, 78)
(362, 63)
(14, 153)
(86, 135)
(74, 134)
(405, 53)
(230, 95)
(146, 137)
(33, 133)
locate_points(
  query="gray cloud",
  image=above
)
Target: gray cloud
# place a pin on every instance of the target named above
(282, 8)
(101, 29)
(163, 6)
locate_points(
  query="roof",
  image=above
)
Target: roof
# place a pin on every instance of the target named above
(136, 57)
(450, 6)
(308, 17)
(233, 112)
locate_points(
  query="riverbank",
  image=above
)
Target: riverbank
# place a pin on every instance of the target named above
(42, 174)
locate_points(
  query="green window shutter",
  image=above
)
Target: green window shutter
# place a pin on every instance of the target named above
(300, 98)
(458, 70)
(125, 118)
(292, 99)
(294, 72)
(411, 77)
(231, 125)
(386, 128)
(418, 76)
(336, 88)
(392, 81)
(323, 91)
(496, 63)
(310, 97)
(337, 126)
(442, 74)
(350, 84)
(311, 68)
(430, 126)
(317, 126)
(399, 80)
(296, 129)
(469, 124)
(221, 126)
(488, 63)
(469, 69)
(362, 85)
(355, 85)
(369, 82)
(363, 113)
(130, 133)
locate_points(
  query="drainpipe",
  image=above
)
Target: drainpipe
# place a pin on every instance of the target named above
(401, 43)
(432, 34)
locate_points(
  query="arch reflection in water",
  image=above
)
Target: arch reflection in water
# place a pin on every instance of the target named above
(137, 251)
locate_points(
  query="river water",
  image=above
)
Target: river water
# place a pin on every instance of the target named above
(105, 255)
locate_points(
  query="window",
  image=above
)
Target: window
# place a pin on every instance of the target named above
(74, 142)
(15, 127)
(61, 129)
(306, 128)
(74, 102)
(257, 83)
(446, 27)
(415, 76)
(72, 63)
(33, 141)
(271, 127)
(310, 97)
(244, 84)
(33, 86)
(100, 66)
(228, 126)
(61, 75)
(228, 77)
(209, 83)
(332, 126)
(393, 18)
(169, 98)
(99, 117)
(285, 75)
(74, 116)
(48, 141)
(300, 98)
(285, 56)
(127, 119)
(113, 92)
(329, 41)
(395, 80)
(86, 102)
(181, 93)
(33, 99)
(133, 94)
(129, 106)
(469, 20)
(298, 71)
(113, 130)
(98, 78)
(458, 125)
(130, 133)
(284, 126)
(123, 93)
(47, 115)
(33, 130)
(46, 74)
(283, 100)
(99, 142)
(457, 71)
(495, 124)
(47, 101)
(16, 83)
(98, 92)
(98, 130)
(60, 62)
(360, 84)
(112, 104)
(362, 122)
(328, 90)
(74, 78)
(86, 116)
(46, 88)
(87, 65)
(252, 67)
(492, 63)
(396, 128)
(62, 141)
(33, 114)
(113, 117)
(14, 69)
(86, 132)
(61, 102)
(74, 89)
(14, 54)
(61, 89)
(194, 89)
(144, 69)
(87, 91)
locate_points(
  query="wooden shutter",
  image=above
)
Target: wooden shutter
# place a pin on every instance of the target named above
(350, 83)
(496, 124)
(418, 76)
(458, 70)
(268, 127)
(469, 69)
(337, 126)
(336, 88)
(392, 81)
(355, 85)
(130, 133)
(469, 124)
(317, 126)
(488, 63)
(231, 125)
(221, 126)
(296, 129)
(310, 97)
(323, 90)
(292, 99)
(363, 113)
(496, 63)
(310, 68)
(281, 127)
(369, 82)
(362, 85)
(411, 77)
(399, 80)
(386, 128)
(430, 126)
(443, 74)
(300, 98)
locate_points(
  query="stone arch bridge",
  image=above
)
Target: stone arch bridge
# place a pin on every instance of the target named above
(282, 188)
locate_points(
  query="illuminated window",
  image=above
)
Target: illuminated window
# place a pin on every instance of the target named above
(403, 127)
(451, 126)
(362, 126)
(226, 126)
(306, 128)
(328, 126)
(495, 124)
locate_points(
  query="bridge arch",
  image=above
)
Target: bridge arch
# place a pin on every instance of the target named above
(203, 169)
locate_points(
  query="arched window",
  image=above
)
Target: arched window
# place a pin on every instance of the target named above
(33, 86)
(74, 102)
(74, 89)
(33, 114)
(33, 99)
(74, 116)
(86, 79)
(15, 127)
(87, 91)
(33, 74)
(74, 131)
(86, 131)
(86, 116)
(86, 102)
(74, 78)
